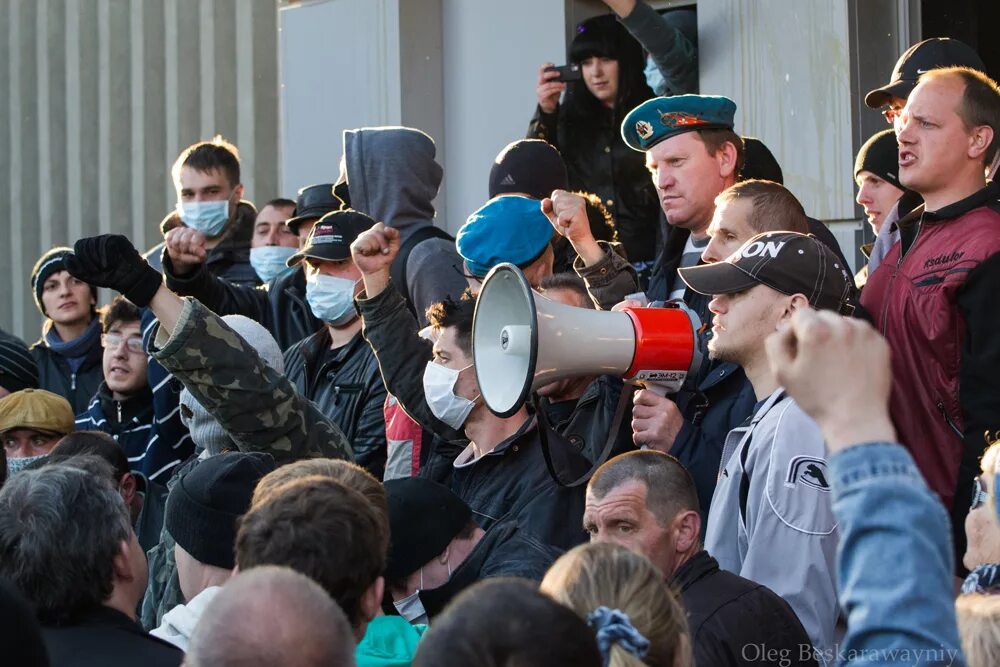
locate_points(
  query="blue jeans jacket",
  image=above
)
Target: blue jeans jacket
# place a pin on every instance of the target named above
(894, 564)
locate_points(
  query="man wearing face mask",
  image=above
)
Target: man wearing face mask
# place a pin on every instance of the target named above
(31, 423)
(280, 304)
(210, 203)
(438, 550)
(335, 368)
(273, 241)
(500, 471)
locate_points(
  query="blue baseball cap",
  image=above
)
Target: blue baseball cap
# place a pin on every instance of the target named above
(510, 228)
(660, 118)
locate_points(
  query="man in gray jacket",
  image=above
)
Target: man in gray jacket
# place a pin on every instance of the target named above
(771, 519)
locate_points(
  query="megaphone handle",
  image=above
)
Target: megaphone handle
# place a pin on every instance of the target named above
(659, 389)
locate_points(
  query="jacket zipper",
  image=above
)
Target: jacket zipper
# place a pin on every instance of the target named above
(895, 272)
(947, 419)
(72, 381)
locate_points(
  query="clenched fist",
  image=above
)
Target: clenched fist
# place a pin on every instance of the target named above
(186, 248)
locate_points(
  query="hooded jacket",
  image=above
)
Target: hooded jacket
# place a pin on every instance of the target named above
(347, 388)
(230, 259)
(394, 178)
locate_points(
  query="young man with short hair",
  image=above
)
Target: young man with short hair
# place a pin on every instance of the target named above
(273, 241)
(771, 519)
(210, 205)
(148, 427)
(935, 296)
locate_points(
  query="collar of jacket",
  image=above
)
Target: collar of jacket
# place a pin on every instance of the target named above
(314, 351)
(979, 198)
(134, 408)
(694, 570)
(720, 372)
(525, 432)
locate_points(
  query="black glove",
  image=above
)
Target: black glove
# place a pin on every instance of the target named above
(110, 260)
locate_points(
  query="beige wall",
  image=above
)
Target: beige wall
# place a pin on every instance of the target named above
(97, 97)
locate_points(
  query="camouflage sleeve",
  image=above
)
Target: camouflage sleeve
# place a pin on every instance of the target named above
(611, 279)
(258, 406)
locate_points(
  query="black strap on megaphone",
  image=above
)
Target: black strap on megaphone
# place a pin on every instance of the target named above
(539, 404)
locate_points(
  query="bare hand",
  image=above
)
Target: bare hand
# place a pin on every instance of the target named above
(621, 7)
(627, 303)
(375, 249)
(186, 248)
(568, 214)
(548, 89)
(656, 421)
(837, 369)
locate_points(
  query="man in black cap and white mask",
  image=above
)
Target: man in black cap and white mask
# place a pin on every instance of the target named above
(438, 550)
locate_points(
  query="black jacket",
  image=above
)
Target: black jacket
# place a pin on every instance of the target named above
(598, 161)
(347, 388)
(730, 618)
(586, 421)
(104, 637)
(280, 306)
(505, 550)
(55, 374)
(510, 481)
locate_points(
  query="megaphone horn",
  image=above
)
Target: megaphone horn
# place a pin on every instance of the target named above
(521, 341)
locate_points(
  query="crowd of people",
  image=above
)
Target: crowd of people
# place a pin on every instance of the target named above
(271, 447)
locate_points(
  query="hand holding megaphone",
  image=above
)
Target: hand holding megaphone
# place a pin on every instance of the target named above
(656, 421)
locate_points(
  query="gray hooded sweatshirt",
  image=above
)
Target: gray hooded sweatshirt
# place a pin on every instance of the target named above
(393, 178)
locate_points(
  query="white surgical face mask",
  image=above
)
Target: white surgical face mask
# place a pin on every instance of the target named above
(208, 217)
(270, 260)
(412, 607)
(439, 390)
(331, 299)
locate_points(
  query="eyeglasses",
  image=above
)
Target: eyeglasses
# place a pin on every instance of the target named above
(114, 341)
(979, 495)
(891, 114)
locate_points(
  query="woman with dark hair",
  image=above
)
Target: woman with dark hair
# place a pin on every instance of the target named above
(585, 129)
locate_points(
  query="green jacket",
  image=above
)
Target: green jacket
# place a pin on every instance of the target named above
(258, 407)
(389, 641)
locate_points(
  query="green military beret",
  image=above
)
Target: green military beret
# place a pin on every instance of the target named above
(663, 117)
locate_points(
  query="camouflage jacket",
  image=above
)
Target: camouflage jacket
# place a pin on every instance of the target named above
(258, 407)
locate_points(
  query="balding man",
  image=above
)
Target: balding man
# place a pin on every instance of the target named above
(285, 619)
(646, 502)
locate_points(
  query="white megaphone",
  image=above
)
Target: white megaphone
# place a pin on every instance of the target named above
(521, 341)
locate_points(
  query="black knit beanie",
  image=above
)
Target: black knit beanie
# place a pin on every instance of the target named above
(204, 507)
(48, 264)
(880, 156)
(18, 369)
(531, 166)
(424, 517)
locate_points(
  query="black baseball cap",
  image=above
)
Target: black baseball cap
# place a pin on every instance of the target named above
(424, 517)
(788, 262)
(332, 236)
(920, 58)
(313, 202)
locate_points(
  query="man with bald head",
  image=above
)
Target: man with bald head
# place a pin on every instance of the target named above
(285, 620)
(934, 297)
(646, 502)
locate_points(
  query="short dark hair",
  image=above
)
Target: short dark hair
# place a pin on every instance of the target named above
(773, 207)
(279, 202)
(94, 443)
(323, 529)
(714, 140)
(669, 486)
(120, 310)
(526, 629)
(60, 530)
(980, 104)
(205, 156)
(569, 282)
(458, 314)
